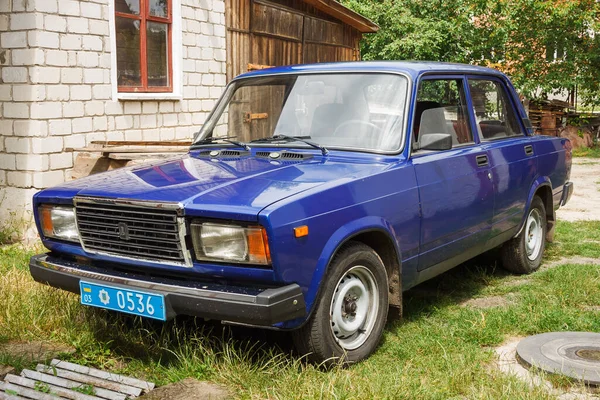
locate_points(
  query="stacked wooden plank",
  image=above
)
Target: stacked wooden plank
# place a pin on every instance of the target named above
(135, 148)
(106, 156)
(65, 380)
(548, 116)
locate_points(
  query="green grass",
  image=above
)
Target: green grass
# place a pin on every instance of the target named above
(575, 239)
(440, 350)
(590, 152)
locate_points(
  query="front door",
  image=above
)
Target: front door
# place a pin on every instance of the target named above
(455, 189)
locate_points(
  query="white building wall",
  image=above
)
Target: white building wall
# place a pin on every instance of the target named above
(58, 90)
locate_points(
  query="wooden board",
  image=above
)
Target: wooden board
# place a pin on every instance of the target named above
(130, 149)
(67, 380)
(142, 143)
(93, 163)
(286, 32)
(139, 156)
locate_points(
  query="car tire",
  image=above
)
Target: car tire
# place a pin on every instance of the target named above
(523, 254)
(350, 314)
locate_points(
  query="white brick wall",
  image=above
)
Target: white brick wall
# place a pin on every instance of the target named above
(56, 90)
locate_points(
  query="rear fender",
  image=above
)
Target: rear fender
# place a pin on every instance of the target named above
(539, 183)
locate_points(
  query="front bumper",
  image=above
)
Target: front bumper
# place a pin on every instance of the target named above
(566, 194)
(244, 305)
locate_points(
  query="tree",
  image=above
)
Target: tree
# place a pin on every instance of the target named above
(415, 30)
(545, 46)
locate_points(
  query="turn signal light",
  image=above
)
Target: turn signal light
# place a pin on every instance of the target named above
(301, 231)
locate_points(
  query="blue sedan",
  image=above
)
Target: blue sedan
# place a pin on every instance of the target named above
(312, 197)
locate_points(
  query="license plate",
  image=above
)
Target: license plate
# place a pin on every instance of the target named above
(134, 302)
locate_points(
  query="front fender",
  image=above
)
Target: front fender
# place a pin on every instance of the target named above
(538, 183)
(341, 236)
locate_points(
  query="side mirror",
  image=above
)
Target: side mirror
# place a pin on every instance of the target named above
(435, 141)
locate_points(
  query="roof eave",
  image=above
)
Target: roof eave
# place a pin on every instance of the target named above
(344, 14)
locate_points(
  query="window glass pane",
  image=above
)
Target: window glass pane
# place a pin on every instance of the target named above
(158, 8)
(128, 6)
(157, 54)
(128, 52)
(494, 114)
(441, 108)
(362, 111)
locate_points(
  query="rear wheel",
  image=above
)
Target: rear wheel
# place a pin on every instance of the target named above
(348, 321)
(523, 254)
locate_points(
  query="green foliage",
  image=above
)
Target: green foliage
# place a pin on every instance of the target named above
(42, 387)
(593, 152)
(519, 37)
(415, 30)
(85, 389)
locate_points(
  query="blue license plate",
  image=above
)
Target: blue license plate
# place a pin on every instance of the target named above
(134, 302)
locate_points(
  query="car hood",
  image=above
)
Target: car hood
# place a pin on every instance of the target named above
(237, 188)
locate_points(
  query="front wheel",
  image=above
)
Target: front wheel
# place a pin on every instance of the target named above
(351, 312)
(523, 254)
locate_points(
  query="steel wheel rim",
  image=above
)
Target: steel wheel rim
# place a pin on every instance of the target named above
(533, 234)
(354, 307)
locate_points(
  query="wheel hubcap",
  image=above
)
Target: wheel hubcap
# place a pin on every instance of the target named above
(533, 234)
(354, 307)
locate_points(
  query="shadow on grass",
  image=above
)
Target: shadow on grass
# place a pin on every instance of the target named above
(153, 341)
(167, 342)
(453, 287)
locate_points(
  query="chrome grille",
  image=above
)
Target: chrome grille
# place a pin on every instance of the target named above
(123, 230)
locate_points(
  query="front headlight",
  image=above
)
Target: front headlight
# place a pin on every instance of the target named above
(238, 244)
(58, 222)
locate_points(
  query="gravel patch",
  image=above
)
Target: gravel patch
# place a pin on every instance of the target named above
(583, 206)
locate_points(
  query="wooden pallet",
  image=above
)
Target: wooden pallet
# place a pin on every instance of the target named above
(65, 380)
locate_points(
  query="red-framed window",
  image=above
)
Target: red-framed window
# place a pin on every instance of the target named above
(144, 45)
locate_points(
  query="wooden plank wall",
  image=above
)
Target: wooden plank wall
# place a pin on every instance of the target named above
(284, 32)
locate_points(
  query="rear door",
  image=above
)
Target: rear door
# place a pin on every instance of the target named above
(512, 157)
(455, 191)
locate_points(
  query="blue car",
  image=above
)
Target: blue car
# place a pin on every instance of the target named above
(311, 199)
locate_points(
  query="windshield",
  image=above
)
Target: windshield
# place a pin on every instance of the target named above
(356, 111)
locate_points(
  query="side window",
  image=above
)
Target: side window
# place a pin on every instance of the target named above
(493, 112)
(441, 108)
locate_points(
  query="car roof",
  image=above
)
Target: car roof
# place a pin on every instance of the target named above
(411, 68)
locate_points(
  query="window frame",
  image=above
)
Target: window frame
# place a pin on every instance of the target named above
(230, 88)
(469, 113)
(175, 55)
(511, 105)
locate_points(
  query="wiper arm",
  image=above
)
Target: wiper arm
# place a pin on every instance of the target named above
(227, 139)
(275, 138)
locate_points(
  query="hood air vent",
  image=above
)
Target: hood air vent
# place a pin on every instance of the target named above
(223, 154)
(283, 155)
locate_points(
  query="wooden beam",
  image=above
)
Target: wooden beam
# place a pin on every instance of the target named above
(142, 143)
(256, 67)
(130, 149)
(344, 14)
(139, 156)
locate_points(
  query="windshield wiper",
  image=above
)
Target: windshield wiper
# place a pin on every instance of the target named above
(227, 139)
(280, 137)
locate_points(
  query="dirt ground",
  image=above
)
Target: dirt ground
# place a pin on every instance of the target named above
(585, 202)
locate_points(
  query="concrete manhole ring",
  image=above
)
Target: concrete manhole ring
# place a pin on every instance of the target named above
(573, 354)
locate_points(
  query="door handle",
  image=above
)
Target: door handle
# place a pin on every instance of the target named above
(529, 150)
(482, 160)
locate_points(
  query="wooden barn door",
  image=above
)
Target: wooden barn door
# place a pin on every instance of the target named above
(261, 33)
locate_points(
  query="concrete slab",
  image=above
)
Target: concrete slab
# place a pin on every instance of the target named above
(572, 354)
